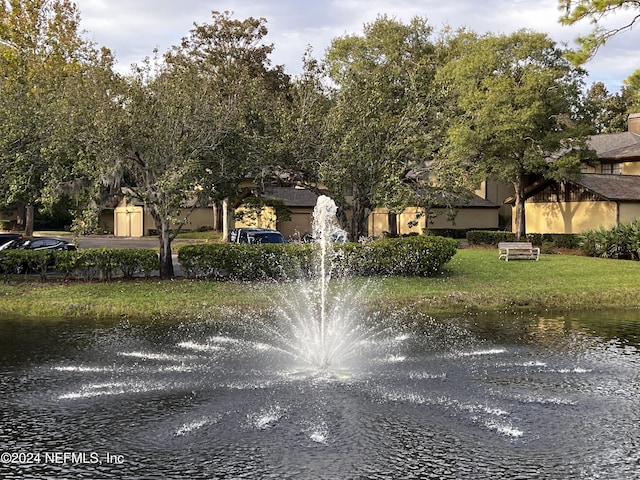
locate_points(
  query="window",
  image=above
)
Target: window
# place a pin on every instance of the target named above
(564, 192)
(611, 168)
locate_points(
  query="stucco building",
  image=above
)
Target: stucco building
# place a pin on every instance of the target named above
(603, 196)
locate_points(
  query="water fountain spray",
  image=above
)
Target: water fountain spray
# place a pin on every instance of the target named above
(324, 226)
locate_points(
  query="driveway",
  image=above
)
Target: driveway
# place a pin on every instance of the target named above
(109, 241)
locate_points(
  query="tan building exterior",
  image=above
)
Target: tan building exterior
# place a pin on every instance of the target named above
(131, 220)
(604, 196)
(569, 217)
(496, 192)
(300, 203)
(479, 213)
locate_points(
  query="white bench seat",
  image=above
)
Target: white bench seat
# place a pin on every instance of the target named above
(518, 250)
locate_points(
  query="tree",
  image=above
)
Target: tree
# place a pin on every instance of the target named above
(607, 112)
(304, 144)
(632, 90)
(380, 123)
(596, 11)
(194, 126)
(512, 101)
(44, 64)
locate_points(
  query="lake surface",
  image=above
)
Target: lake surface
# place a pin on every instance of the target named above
(529, 396)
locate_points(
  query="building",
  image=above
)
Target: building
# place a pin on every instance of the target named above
(477, 213)
(604, 195)
(131, 220)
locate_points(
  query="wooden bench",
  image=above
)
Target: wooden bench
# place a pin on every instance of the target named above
(511, 250)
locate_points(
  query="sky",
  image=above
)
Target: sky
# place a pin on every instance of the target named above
(132, 29)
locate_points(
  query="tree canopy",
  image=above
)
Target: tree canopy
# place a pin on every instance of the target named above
(607, 112)
(45, 106)
(381, 124)
(597, 12)
(512, 108)
(194, 125)
(393, 117)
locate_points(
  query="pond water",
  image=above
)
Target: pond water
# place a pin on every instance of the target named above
(527, 396)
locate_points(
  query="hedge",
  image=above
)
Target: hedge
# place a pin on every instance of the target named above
(245, 262)
(89, 264)
(409, 256)
(492, 237)
(489, 237)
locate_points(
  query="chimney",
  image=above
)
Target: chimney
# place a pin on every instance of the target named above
(633, 122)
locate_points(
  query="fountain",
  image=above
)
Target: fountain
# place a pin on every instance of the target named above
(319, 389)
(318, 320)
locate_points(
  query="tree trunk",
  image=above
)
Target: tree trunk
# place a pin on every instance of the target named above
(392, 219)
(28, 221)
(227, 219)
(217, 218)
(358, 221)
(520, 218)
(164, 235)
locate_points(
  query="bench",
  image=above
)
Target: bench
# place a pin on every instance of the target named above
(511, 250)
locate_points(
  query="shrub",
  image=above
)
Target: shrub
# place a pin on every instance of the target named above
(245, 262)
(412, 256)
(107, 263)
(489, 237)
(421, 256)
(619, 242)
(104, 263)
(15, 261)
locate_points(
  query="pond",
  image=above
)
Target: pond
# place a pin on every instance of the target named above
(554, 396)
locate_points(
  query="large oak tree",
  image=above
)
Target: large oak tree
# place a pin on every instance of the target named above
(381, 125)
(512, 109)
(197, 122)
(47, 107)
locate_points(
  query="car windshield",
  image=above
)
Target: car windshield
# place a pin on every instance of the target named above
(268, 237)
(11, 244)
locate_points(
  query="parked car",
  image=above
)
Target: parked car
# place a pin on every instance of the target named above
(38, 243)
(339, 236)
(255, 236)
(7, 237)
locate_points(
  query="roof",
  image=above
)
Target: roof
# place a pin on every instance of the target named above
(292, 197)
(479, 202)
(622, 188)
(615, 188)
(616, 146)
(472, 201)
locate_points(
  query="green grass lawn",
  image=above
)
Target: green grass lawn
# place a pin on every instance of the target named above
(476, 280)
(473, 281)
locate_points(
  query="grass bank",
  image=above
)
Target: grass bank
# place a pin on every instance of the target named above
(474, 281)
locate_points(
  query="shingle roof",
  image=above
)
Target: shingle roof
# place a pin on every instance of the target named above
(616, 188)
(479, 202)
(292, 197)
(623, 188)
(472, 201)
(616, 146)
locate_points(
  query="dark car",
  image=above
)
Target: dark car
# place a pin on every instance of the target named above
(38, 243)
(7, 237)
(255, 236)
(338, 236)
